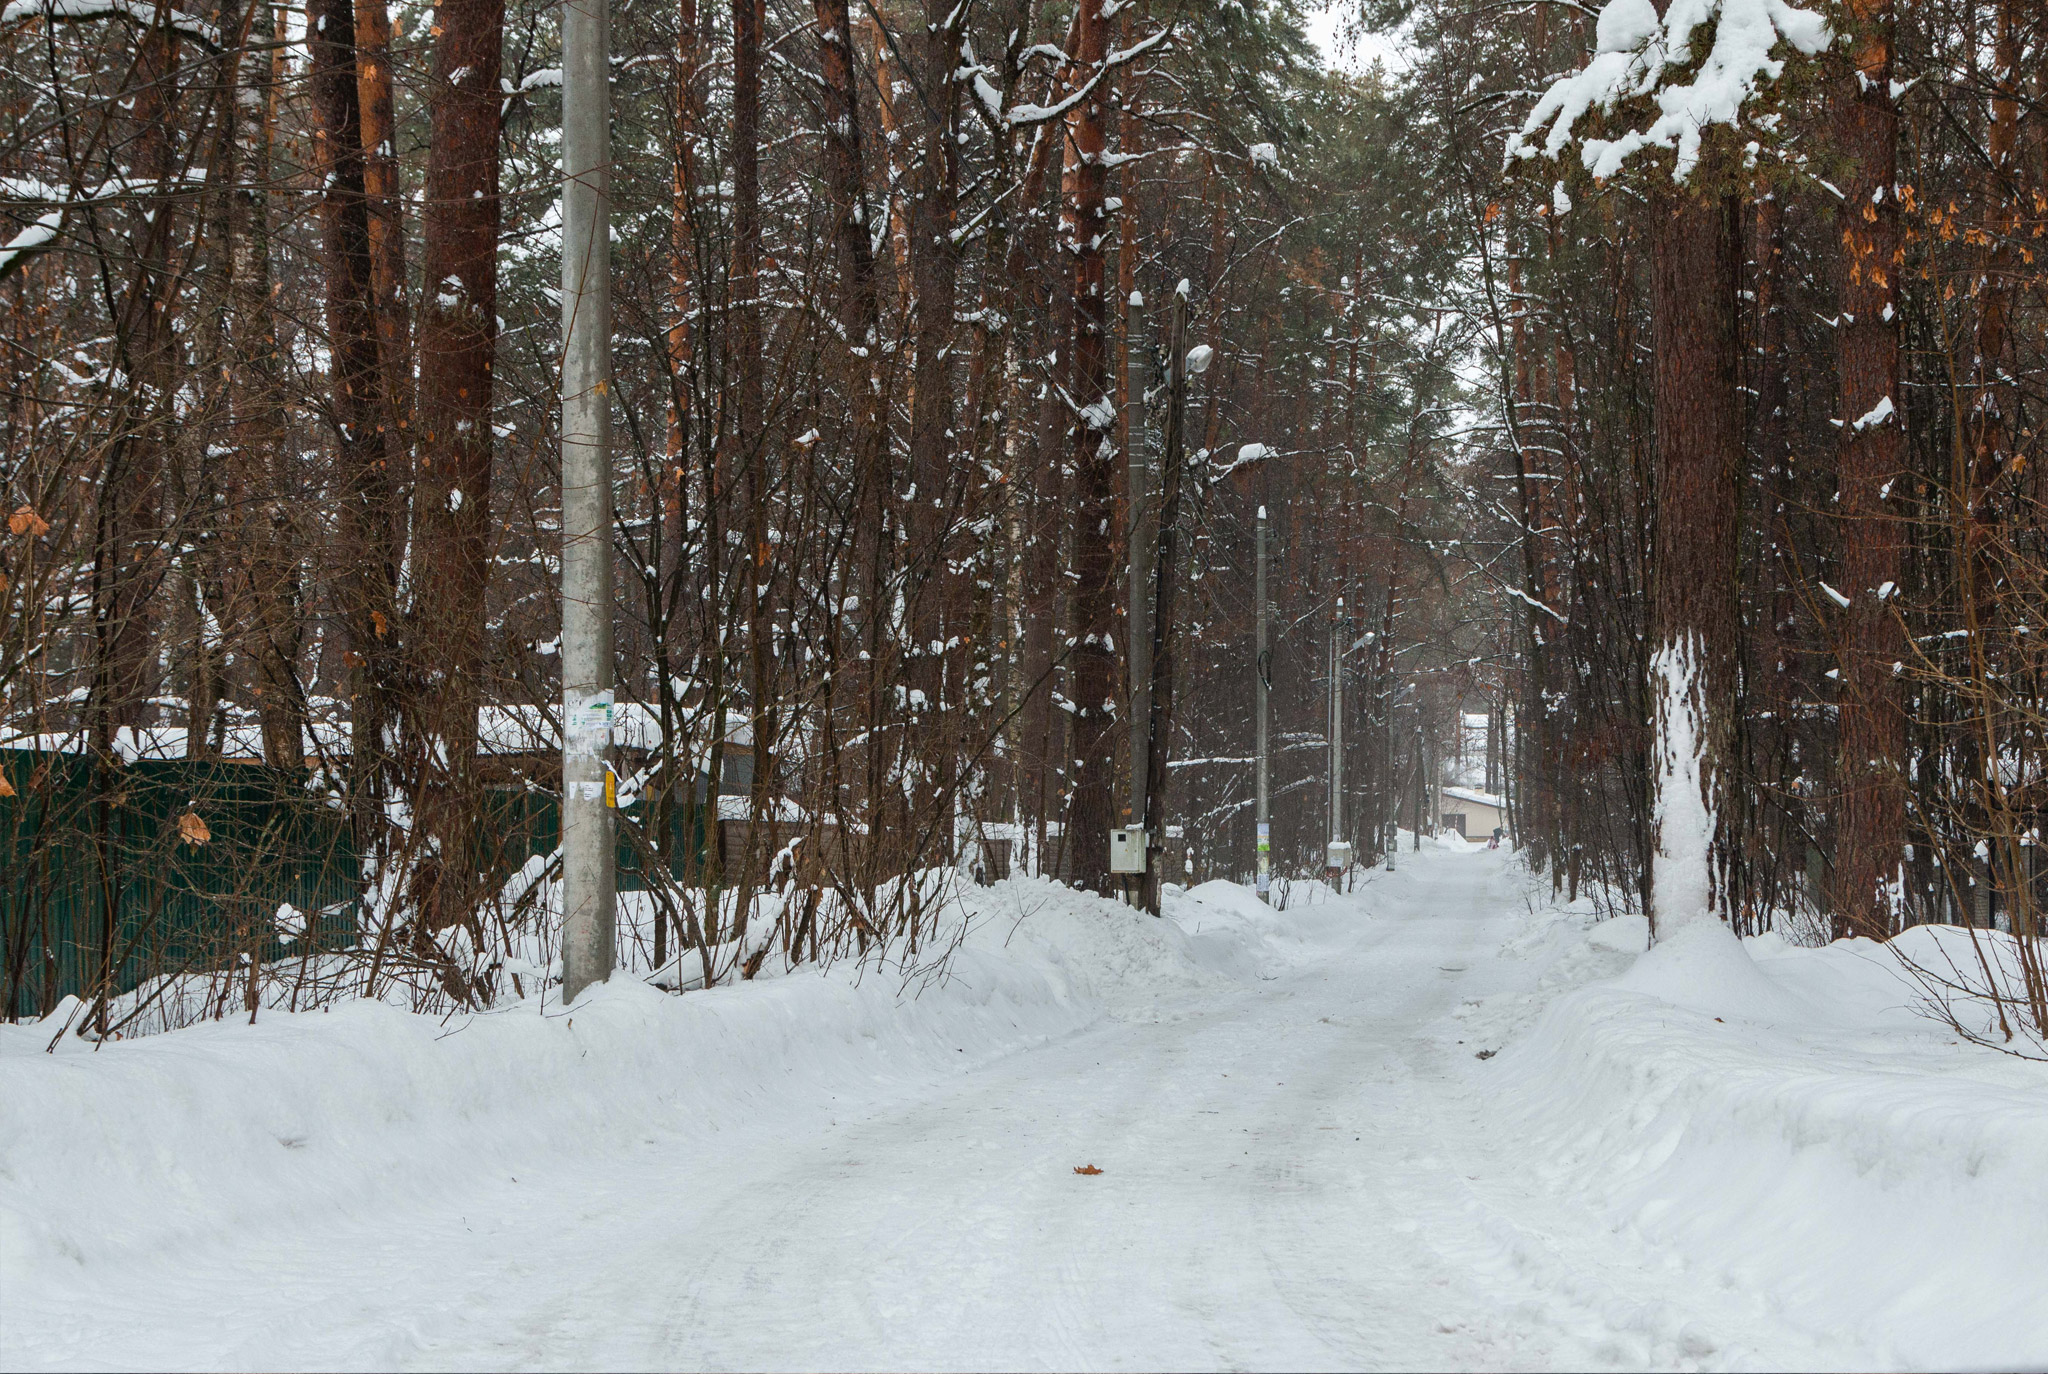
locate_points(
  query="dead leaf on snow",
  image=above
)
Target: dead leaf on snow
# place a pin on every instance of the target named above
(1086, 1169)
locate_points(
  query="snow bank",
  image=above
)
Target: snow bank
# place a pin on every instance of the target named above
(199, 1136)
(1785, 1120)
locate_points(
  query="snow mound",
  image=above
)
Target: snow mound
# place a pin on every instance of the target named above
(184, 1141)
(1106, 954)
(1785, 1120)
(1703, 967)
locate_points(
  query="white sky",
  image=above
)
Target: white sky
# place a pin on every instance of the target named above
(1354, 53)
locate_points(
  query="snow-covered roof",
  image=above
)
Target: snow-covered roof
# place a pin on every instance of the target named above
(242, 743)
(532, 730)
(1476, 797)
(500, 730)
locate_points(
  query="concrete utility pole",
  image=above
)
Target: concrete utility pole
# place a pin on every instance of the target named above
(1264, 684)
(589, 897)
(1421, 782)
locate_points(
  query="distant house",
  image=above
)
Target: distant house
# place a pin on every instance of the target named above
(1472, 813)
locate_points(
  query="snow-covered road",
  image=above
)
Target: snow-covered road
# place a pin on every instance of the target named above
(1302, 1173)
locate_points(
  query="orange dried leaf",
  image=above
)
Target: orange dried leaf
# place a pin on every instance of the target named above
(192, 829)
(1086, 1169)
(26, 521)
(6, 787)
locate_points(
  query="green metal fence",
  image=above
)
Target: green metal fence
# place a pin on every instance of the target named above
(101, 870)
(158, 867)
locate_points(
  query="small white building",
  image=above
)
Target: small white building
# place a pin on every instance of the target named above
(1472, 813)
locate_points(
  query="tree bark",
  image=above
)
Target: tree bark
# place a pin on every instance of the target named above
(939, 594)
(1870, 815)
(452, 488)
(859, 324)
(356, 401)
(1084, 223)
(263, 599)
(1695, 263)
(129, 556)
(386, 202)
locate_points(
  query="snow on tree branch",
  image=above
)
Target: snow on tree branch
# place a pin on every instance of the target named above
(1023, 116)
(1634, 52)
(135, 11)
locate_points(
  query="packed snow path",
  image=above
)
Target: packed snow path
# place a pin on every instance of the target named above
(1302, 1173)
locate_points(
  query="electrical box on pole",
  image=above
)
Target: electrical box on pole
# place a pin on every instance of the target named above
(1127, 849)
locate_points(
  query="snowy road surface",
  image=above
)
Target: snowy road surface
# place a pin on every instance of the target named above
(1301, 1171)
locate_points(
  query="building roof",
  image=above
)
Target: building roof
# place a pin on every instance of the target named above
(500, 730)
(1476, 797)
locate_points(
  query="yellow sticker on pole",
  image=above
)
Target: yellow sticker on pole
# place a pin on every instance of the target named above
(611, 789)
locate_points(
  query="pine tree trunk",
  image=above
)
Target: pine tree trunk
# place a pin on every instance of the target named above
(1084, 225)
(1695, 260)
(1870, 815)
(452, 488)
(129, 553)
(859, 320)
(940, 590)
(263, 605)
(387, 220)
(366, 483)
(746, 454)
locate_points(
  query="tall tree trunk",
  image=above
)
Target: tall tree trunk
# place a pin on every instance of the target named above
(746, 433)
(387, 220)
(263, 604)
(1084, 223)
(452, 491)
(367, 485)
(683, 237)
(1988, 427)
(1870, 815)
(859, 323)
(1695, 263)
(129, 556)
(939, 596)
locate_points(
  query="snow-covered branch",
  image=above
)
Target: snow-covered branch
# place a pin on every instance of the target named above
(1635, 53)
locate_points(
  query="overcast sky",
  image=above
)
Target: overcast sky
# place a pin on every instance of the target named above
(1353, 53)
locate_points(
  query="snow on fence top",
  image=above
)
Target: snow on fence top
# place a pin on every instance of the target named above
(1635, 49)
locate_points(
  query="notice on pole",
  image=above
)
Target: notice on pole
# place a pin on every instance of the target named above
(588, 723)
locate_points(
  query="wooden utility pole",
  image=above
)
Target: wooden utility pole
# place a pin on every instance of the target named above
(1340, 850)
(1263, 685)
(1141, 539)
(1166, 573)
(589, 900)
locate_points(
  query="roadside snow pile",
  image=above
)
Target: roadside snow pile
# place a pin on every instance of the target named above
(202, 1135)
(1787, 1121)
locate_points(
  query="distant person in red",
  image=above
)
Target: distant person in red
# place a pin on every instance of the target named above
(1494, 843)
